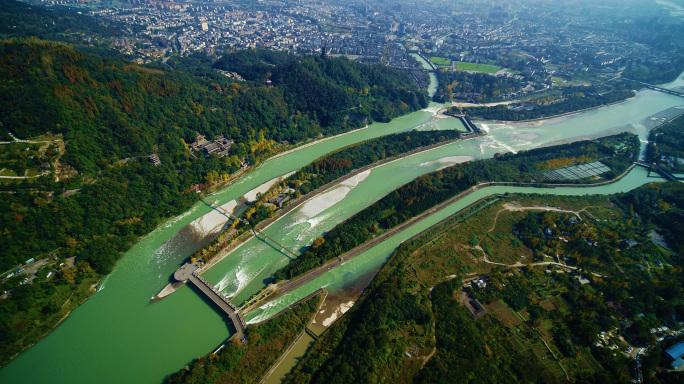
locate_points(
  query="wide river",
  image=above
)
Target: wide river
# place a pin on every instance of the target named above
(120, 336)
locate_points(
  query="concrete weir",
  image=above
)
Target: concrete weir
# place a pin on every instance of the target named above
(473, 130)
(169, 289)
(189, 272)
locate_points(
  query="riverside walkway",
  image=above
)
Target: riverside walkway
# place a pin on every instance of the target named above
(189, 272)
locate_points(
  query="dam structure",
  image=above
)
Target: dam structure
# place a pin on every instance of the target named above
(189, 272)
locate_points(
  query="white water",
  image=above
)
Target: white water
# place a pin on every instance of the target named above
(230, 285)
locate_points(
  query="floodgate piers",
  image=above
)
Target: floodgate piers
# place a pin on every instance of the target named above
(189, 272)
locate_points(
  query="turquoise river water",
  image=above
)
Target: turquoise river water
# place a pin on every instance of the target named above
(120, 336)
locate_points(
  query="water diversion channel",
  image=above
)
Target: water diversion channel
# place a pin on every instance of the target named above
(119, 336)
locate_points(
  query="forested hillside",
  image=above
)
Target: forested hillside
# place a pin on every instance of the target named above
(109, 110)
(85, 187)
(422, 320)
(330, 90)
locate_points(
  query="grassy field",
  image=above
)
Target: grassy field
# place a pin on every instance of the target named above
(507, 248)
(477, 67)
(440, 61)
(462, 247)
(506, 315)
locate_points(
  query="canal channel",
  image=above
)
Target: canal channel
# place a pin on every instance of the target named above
(121, 336)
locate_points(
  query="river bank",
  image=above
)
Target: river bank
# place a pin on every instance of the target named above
(90, 293)
(298, 340)
(343, 306)
(556, 118)
(311, 195)
(534, 122)
(243, 172)
(332, 308)
(134, 331)
(284, 287)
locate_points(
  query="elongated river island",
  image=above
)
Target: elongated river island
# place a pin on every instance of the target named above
(120, 336)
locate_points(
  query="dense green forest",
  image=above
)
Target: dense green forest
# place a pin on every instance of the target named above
(454, 329)
(541, 325)
(571, 101)
(248, 362)
(666, 146)
(400, 320)
(332, 91)
(663, 206)
(108, 110)
(100, 118)
(70, 92)
(387, 334)
(432, 189)
(473, 87)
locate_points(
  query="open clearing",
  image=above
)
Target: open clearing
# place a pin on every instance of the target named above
(485, 68)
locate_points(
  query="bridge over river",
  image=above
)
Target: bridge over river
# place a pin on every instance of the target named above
(657, 169)
(657, 88)
(189, 272)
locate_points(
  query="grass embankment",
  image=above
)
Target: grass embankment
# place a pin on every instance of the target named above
(247, 363)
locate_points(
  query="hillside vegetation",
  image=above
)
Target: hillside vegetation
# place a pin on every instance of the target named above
(85, 188)
(330, 89)
(577, 317)
(108, 110)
